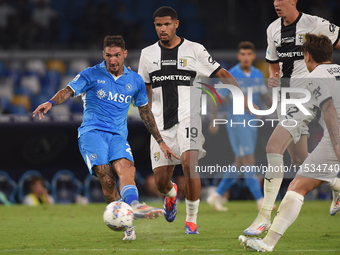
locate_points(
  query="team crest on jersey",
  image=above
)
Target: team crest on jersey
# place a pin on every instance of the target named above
(182, 62)
(302, 38)
(101, 93)
(156, 156)
(128, 87)
(93, 156)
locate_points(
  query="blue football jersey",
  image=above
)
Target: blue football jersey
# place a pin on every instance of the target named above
(254, 80)
(106, 101)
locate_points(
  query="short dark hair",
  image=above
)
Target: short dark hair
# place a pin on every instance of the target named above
(246, 45)
(114, 40)
(319, 47)
(165, 11)
(32, 180)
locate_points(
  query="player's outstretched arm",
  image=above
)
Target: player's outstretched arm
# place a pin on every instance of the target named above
(60, 97)
(149, 121)
(274, 71)
(225, 76)
(332, 123)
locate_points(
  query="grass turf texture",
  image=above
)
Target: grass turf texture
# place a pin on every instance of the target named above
(78, 229)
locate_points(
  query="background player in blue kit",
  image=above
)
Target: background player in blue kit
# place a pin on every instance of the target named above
(107, 90)
(242, 138)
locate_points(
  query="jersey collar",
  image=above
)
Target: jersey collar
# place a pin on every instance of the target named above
(294, 23)
(162, 47)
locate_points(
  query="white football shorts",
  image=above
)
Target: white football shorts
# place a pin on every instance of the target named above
(294, 120)
(322, 164)
(185, 135)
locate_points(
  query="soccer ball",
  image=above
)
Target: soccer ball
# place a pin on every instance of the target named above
(118, 216)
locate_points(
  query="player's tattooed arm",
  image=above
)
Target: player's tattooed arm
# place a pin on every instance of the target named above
(62, 95)
(332, 123)
(108, 182)
(149, 121)
(59, 98)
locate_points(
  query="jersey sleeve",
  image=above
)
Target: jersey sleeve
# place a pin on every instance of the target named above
(319, 90)
(142, 71)
(79, 84)
(271, 53)
(206, 66)
(330, 30)
(141, 96)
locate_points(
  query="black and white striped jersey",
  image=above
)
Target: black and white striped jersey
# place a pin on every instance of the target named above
(170, 72)
(284, 43)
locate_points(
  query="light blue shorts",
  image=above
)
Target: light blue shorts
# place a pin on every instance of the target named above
(242, 139)
(100, 147)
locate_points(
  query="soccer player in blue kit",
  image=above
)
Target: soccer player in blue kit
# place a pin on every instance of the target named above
(107, 90)
(242, 137)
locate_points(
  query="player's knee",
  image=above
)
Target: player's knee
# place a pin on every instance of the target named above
(271, 148)
(298, 160)
(186, 166)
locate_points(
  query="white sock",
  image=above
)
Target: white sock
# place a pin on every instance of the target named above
(192, 210)
(287, 213)
(172, 193)
(335, 184)
(259, 201)
(272, 182)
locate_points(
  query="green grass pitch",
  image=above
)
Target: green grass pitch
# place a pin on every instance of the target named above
(79, 229)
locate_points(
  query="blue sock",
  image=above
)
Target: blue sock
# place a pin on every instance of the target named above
(253, 183)
(228, 180)
(129, 193)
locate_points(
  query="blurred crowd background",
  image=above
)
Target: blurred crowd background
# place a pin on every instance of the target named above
(45, 43)
(82, 24)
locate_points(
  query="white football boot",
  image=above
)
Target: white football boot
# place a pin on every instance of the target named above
(130, 234)
(217, 201)
(335, 205)
(259, 225)
(257, 244)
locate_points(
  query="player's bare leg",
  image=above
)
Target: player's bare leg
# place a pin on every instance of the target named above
(109, 187)
(192, 190)
(107, 181)
(163, 175)
(126, 171)
(298, 152)
(164, 185)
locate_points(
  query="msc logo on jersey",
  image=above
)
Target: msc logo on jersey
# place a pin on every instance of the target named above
(120, 98)
(182, 62)
(156, 156)
(128, 87)
(101, 93)
(302, 38)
